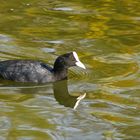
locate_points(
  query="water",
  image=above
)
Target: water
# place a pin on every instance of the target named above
(106, 36)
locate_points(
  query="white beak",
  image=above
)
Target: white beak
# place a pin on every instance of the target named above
(80, 64)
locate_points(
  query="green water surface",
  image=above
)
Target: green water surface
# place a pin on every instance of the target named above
(106, 36)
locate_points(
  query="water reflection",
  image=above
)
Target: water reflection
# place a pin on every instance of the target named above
(62, 95)
(60, 90)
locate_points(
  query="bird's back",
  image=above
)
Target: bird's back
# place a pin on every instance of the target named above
(26, 71)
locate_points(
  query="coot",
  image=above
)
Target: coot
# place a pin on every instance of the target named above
(39, 72)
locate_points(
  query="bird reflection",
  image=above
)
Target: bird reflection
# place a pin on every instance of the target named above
(60, 90)
(62, 95)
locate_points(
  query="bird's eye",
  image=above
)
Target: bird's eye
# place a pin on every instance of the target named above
(62, 61)
(71, 58)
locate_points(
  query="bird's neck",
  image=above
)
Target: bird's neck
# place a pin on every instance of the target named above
(60, 71)
(60, 74)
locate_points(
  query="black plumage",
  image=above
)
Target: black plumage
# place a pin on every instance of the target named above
(38, 72)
